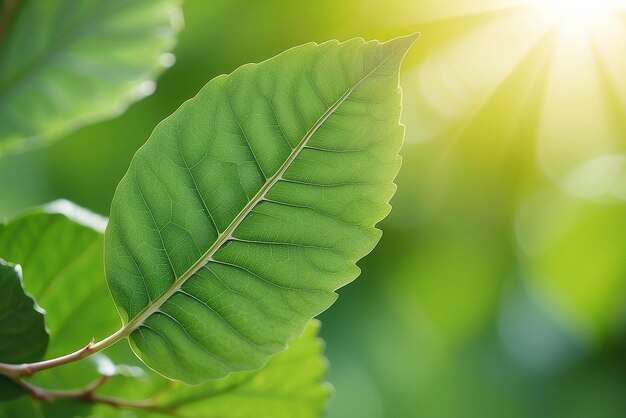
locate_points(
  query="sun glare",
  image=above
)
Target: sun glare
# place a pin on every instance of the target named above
(576, 15)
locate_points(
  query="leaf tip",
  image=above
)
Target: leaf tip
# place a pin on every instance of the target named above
(406, 42)
(399, 46)
(414, 36)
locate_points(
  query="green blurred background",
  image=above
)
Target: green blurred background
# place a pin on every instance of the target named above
(499, 287)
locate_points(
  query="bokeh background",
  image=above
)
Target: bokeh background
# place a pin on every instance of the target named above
(499, 287)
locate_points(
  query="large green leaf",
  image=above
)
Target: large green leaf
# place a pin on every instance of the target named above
(64, 252)
(65, 63)
(23, 334)
(250, 205)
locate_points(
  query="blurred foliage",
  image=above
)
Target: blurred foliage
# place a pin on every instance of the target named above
(499, 287)
(65, 64)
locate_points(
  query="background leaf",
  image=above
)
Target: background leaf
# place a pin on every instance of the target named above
(290, 385)
(23, 334)
(64, 63)
(21, 408)
(63, 270)
(252, 203)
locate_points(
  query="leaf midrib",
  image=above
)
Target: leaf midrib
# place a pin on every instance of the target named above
(226, 235)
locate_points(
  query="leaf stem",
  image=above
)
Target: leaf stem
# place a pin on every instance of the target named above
(16, 371)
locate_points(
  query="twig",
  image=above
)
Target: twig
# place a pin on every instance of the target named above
(87, 394)
(15, 371)
(49, 395)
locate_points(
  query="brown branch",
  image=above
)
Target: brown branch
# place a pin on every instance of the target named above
(126, 403)
(87, 394)
(42, 394)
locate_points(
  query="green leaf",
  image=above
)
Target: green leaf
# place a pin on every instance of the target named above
(65, 253)
(250, 205)
(63, 270)
(62, 258)
(23, 334)
(64, 64)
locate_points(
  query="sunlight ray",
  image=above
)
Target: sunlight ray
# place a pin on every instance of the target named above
(578, 121)
(423, 12)
(455, 82)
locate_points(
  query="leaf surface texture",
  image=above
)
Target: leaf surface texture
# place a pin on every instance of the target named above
(250, 205)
